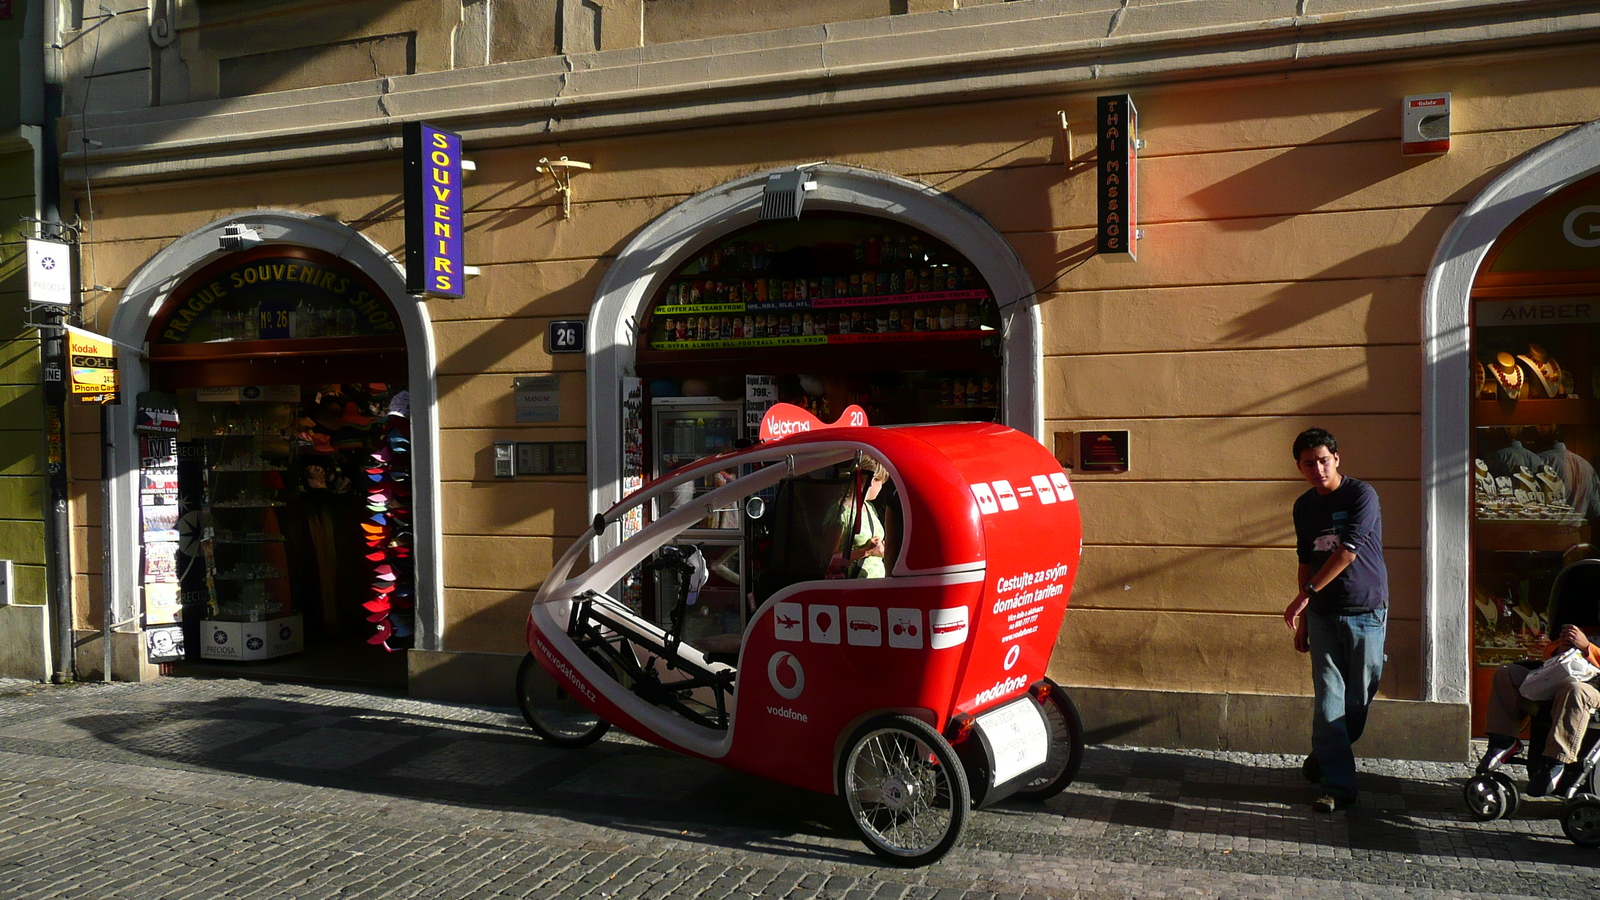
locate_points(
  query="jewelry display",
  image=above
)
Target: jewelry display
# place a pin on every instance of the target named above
(1508, 374)
(1523, 496)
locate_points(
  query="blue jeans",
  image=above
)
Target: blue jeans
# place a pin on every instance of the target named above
(1346, 665)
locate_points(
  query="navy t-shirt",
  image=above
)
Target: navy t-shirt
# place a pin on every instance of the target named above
(1349, 517)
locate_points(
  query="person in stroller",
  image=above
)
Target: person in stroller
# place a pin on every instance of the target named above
(1571, 707)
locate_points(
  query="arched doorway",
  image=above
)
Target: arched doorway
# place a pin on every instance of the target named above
(303, 461)
(1451, 356)
(1536, 427)
(863, 205)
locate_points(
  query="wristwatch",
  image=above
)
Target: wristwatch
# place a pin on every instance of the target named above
(1309, 588)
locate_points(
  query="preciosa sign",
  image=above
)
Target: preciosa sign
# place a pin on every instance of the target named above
(433, 212)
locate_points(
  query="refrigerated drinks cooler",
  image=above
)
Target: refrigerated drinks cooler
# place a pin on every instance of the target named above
(684, 429)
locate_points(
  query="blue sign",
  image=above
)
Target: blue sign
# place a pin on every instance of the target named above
(433, 212)
(566, 335)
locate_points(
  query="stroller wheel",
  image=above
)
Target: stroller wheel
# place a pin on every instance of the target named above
(1580, 821)
(1490, 796)
(551, 712)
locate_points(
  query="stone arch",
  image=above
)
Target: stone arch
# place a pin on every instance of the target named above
(665, 243)
(1446, 386)
(149, 289)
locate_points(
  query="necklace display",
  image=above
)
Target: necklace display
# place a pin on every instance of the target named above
(1508, 374)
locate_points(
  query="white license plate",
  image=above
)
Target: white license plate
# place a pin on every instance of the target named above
(1018, 736)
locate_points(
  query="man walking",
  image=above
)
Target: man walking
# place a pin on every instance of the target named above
(1340, 613)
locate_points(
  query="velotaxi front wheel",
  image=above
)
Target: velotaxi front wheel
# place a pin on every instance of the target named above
(551, 712)
(905, 789)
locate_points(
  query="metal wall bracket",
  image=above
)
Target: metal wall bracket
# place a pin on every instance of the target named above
(560, 171)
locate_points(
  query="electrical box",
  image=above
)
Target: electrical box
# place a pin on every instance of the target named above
(7, 583)
(1425, 129)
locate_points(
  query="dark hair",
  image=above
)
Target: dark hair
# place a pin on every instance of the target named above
(1312, 438)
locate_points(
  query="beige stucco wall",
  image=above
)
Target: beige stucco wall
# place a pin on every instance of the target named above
(1278, 286)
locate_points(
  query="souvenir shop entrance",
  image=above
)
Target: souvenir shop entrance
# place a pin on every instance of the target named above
(824, 312)
(275, 475)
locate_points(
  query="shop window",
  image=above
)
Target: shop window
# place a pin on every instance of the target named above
(1536, 428)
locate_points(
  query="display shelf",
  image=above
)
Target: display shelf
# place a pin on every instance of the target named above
(229, 576)
(1534, 412)
(236, 505)
(265, 539)
(853, 301)
(1531, 534)
(228, 468)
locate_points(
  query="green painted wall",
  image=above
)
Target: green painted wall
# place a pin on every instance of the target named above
(22, 482)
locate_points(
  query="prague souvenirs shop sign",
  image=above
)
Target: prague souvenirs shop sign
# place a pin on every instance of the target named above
(278, 293)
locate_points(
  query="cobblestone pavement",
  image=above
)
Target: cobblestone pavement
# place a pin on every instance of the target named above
(187, 788)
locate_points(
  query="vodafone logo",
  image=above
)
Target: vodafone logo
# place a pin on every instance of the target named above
(1012, 655)
(784, 667)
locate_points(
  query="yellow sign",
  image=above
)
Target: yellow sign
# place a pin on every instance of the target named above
(92, 359)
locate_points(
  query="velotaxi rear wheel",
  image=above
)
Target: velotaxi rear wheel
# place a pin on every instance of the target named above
(551, 712)
(1066, 747)
(905, 789)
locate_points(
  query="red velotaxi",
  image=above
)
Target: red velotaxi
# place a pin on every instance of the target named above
(898, 594)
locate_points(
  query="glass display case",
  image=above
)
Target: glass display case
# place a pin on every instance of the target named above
(250, 612)
(1536, 429)
(690, 428)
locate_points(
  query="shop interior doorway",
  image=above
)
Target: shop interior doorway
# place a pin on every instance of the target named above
(275, 492)
(823, 312)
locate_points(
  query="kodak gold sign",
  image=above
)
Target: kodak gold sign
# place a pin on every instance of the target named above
(92, 361)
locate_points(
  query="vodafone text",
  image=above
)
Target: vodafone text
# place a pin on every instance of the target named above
(1000, 689)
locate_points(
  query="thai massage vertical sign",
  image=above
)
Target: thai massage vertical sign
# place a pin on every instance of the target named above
(1117, 126)
(433, 212)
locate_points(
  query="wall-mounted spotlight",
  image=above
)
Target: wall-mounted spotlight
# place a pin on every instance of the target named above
(238, 237)
(785, 193)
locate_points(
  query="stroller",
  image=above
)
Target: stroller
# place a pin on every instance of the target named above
(1491, 794)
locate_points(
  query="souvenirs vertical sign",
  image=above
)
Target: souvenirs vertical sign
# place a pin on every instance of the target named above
(1117, 127)
(433, 212)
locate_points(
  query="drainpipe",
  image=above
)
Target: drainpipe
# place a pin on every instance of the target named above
(42, 53)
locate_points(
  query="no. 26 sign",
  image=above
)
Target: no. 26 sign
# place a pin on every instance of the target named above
(567, 336)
